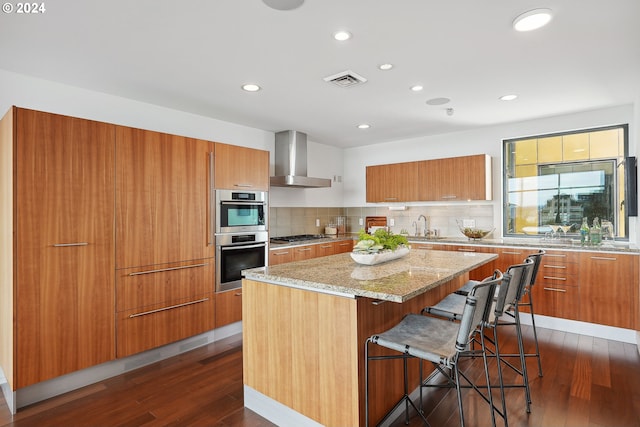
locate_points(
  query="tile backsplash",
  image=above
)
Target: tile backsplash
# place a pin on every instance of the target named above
(291, 221)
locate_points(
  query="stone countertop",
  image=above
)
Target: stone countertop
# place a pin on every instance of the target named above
(568, 244)
(396, 281)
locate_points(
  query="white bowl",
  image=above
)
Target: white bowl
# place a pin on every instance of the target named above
(380, 257)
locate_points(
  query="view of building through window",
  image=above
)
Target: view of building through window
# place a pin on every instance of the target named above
(552, 182)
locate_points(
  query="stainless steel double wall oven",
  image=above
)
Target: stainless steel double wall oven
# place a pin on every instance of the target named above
(241, 235)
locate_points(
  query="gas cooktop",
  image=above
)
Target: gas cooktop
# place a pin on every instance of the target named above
(296, 238)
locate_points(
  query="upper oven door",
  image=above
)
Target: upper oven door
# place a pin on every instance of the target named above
(238, 211)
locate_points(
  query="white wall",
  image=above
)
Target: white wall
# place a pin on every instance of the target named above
(38, 94)
(482, 140)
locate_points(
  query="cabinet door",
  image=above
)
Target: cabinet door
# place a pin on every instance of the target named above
(609, 289)
(64, 252)
(483, 271)
(556, 300)
(392, 183)
(343, 246)
(241, 168)
(455, 178)
(228, 307)
(325, 249)
(159, 324)
(162, 198)
(304, 252)
(280, 256)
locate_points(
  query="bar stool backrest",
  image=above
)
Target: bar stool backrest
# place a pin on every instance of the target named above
(475, 310)
(513, 283)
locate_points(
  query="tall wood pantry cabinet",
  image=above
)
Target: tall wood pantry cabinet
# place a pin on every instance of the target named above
(165, 275)
(58, 266)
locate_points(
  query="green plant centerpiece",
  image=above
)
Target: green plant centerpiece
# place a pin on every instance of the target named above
(381, 246)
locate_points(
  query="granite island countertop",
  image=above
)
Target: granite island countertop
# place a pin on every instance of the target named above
(396, 281)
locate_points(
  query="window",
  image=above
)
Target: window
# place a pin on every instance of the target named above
(557, 180)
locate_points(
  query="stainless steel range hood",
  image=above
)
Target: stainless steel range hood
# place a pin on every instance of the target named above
(291, 162)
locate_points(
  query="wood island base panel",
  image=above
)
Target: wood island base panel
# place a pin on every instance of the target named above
(305, 324)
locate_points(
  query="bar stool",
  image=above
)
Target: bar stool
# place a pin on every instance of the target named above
(508, 293)
(525, 301)
(438, 341)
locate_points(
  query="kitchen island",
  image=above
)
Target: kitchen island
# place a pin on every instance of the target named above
(305, 325)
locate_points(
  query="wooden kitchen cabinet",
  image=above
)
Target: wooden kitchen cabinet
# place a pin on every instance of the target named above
(164, 239)
(238, 168)
(343, 246)
(455, 179)
(151, 326)
(609, 289)
(325, 249)
(304, 252)
(162, 198)
(63, 264)
(557, 291)
(228, 307)
(280, 256)
(392, 182)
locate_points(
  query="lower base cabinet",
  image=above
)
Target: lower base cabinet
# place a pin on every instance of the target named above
(228, 307)
(159, 324)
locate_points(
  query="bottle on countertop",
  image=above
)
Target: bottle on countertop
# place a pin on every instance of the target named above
(584, 232)
(595, 233)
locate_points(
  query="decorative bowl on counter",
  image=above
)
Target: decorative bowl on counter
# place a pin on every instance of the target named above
(379, 257)
(475, 233)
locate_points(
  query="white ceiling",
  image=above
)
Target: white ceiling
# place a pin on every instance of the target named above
(193, 55)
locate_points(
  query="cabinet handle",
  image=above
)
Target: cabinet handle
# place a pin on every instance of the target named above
(326, 246)
(391, 198)
(237, 294)
(344, 244)
(555, 289)
(556, 255)
(554, 278)
(304, 249)
(377, 302)
(466, 250)
(555, 266)
(423, 247)
(144, 313)
(160, 270)
(512, 253)
(280, 253)
(452, 196)
(64, 245)
(243, 185)
(604, 258)
(212, 201)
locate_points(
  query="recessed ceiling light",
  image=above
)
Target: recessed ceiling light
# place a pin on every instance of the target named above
(438, 101)
(532, 20)
(417, 88)
(251, 87)
(342, 35)
(508, 97)
(364, 126)
(385, 67)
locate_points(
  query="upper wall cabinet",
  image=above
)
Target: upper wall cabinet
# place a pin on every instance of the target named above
(241, 168)
(451, 179)
(396, 182)
(455, 179)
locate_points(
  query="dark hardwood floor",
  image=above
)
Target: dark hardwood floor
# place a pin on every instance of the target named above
(587, 382)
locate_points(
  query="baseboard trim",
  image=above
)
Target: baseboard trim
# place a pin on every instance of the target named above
(66, 383)
(274, 411)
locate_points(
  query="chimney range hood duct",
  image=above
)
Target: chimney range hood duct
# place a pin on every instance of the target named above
(291, 162)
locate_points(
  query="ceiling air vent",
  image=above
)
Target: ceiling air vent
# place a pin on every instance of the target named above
(345, 79)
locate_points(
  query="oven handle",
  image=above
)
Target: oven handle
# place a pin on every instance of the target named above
(232, 247)
(242, 202)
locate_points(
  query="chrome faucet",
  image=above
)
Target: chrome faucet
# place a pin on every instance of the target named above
(426, 224)
(415, 228)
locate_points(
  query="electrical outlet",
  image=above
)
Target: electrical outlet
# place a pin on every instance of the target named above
(317, 222)
(361, 221)
(469, 223)
(392, 222)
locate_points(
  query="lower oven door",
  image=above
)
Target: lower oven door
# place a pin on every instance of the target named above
(232, 259)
